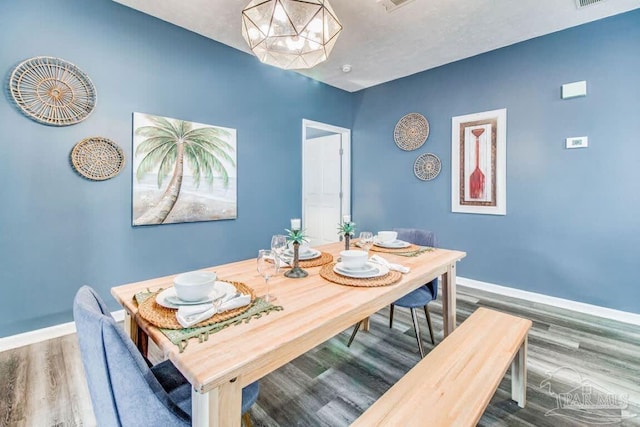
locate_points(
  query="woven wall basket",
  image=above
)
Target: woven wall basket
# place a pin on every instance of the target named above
(427, 166)
(97, 158)
(52, 91)
(411, 131)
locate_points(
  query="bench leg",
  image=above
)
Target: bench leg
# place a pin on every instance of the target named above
(519, 375)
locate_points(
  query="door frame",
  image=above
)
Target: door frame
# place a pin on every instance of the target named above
(345, 167)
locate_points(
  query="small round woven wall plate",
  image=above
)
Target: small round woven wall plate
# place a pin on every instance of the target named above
(427, 166)
(411, 131)
(52, 91)
(97, 158)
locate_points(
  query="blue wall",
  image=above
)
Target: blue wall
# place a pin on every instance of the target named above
(59, 231)
(572, 227)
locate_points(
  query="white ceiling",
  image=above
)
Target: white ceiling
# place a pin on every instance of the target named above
(382, 46)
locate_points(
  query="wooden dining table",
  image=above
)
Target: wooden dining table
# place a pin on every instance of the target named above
(314, 310)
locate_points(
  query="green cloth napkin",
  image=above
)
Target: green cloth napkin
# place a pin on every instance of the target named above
(415, 253)
(181, 337)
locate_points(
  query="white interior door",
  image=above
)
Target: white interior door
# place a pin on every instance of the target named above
(326, 184)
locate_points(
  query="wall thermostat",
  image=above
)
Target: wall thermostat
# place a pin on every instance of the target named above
(575, 89)
(578, 142)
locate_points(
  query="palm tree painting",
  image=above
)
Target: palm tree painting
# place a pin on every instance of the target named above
(183, 171)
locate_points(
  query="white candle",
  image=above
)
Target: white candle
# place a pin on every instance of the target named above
(295, 224)
(346, 219)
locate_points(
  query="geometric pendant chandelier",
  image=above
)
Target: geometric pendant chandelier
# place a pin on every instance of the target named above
(290, 34)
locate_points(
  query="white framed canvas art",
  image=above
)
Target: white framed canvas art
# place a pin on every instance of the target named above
(182, 171)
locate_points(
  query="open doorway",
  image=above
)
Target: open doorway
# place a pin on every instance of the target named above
(326, 180)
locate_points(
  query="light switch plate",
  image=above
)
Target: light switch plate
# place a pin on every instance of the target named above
(578, 142)
(575, 89)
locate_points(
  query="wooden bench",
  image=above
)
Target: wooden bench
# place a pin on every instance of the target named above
(454, 383)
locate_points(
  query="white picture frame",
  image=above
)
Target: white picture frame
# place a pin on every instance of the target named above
(479, 163)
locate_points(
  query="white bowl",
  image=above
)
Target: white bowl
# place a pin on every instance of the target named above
(387, 236)
(305, 248)
(194, 285)
(353, 258)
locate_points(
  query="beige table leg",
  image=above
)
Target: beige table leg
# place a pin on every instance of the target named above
(221, 407)
(137, 335)
(449, 299)
(519, 375)
(130, 327)
(366, 324)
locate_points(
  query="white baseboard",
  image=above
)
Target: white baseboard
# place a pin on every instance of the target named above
(38, 335)
(594, 310)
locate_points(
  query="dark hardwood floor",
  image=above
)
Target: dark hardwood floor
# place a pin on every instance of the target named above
(573, 359)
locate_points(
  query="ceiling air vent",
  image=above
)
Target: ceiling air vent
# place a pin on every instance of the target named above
(391, 5)
(584, 3)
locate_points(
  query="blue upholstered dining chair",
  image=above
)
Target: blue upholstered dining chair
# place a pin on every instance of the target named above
(124, 390)
(420, 297)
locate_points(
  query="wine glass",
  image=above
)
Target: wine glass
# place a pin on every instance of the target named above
(366, 240)
(278, 246)
(267, 267)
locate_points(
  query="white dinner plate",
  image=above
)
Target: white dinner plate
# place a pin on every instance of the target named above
(396, 244)
(169, 299)
(367, 267)
(377, 270)
(310, 254)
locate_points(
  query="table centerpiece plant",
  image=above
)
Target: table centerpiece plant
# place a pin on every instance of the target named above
(348, 230)
(296, 237)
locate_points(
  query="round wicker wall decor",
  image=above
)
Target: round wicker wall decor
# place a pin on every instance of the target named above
(411, 131)
(97, 158)
(52, 91)
(427, 166)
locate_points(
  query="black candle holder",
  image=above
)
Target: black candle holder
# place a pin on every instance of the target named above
(296, 272)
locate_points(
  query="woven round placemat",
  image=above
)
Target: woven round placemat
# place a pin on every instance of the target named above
(163, 317)
(410, 248)
(390, 278)
(97, 158)
(323, 259)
